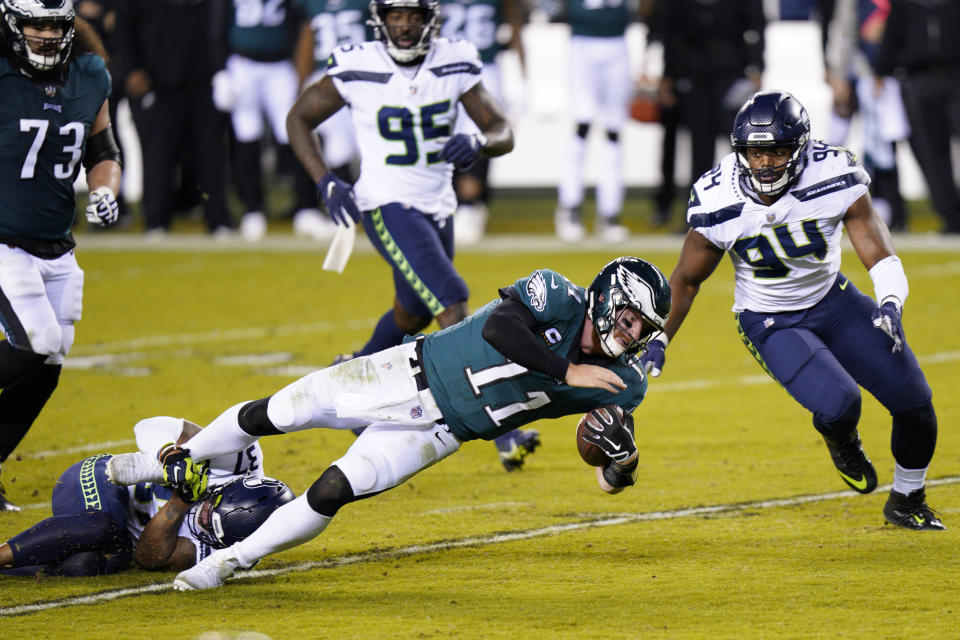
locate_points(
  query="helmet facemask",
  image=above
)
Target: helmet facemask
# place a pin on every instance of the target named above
(40, 56)
(228, 513)
(786, 174)
(405, 53)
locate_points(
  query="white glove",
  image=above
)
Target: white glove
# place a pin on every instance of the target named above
(103, 209)
(224, 96)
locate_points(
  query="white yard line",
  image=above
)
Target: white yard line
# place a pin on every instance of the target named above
(595, 520)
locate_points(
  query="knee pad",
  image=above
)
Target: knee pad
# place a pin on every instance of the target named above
(253, 418)
(835, 424)
(46, 339)
(365, 474)
(583, 128)
(330, 492)
(914, 436)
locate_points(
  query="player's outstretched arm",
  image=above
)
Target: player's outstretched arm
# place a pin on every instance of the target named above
(869, 236)
(698, 259)
(160, 548)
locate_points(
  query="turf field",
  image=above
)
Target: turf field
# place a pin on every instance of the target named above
(738, 526)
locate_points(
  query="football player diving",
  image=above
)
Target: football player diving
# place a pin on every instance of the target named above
(778, 206)
(99, 527)
(545, 348)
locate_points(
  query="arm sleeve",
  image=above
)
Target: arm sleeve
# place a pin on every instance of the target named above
(510, 329)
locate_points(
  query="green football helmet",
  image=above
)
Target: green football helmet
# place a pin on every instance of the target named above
(628, 283)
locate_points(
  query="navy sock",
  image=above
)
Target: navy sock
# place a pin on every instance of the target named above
(386, 334)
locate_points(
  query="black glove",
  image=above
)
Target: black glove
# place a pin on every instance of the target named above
(618, 475)
(609, 428)
(182, 474)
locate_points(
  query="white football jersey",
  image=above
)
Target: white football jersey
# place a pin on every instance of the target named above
(786, 256)
(146, 498)
(403, 116)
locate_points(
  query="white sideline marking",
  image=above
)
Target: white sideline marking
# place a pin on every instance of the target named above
(597, 520)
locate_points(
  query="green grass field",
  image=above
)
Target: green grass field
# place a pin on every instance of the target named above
(738, 526)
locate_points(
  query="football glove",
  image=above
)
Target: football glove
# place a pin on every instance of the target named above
(182, 474)
(463, 149)
(612, 434)
(337, 196)
(103, 209)
(654, 357)
(887, 318)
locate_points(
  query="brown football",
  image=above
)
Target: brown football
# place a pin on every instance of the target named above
(591, 453)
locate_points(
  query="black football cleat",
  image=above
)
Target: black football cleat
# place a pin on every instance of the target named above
(911, 512)
(5, 504)
(852, 463)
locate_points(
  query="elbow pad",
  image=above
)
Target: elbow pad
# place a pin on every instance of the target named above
(101, 146)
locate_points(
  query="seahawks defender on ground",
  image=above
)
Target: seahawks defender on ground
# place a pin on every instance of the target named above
(403, 92)
(545, 349)
(97, 527)
(53, 118)
(778, 204)
(477, 22)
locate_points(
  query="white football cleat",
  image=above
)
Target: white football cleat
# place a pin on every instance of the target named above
(611, 231)
(253, 226)
(568, 224)
(126, 469)
(470, 224)
(310, 223)
(209, 572)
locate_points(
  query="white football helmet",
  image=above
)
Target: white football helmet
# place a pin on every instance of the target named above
(41, 57)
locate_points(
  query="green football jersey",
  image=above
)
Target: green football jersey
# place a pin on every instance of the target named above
(43, 135)
(335, 23)
(598, 18)
(482, 394)
(262, 29)
(475, 21)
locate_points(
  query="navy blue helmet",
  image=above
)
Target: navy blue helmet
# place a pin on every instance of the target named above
(772, 119)
(230, 512)
(622, 283)
(43, 58)
(431, 25)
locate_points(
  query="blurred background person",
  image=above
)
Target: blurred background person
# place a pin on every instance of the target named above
(921, 46)
(167, 60)
(478, 22)
(713, 62)
(602, 89)
(102, 16)
(327, 24)
(854, 31)
(260, 82)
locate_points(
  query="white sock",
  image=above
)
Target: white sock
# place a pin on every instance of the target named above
(221, 436)
(571, 188)
(610, 184)
(906, 481)
(292, 524)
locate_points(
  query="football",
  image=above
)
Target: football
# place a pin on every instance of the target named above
(591, 453)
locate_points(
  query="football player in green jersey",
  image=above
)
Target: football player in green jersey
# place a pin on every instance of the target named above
(53, 117)
(545, 349)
